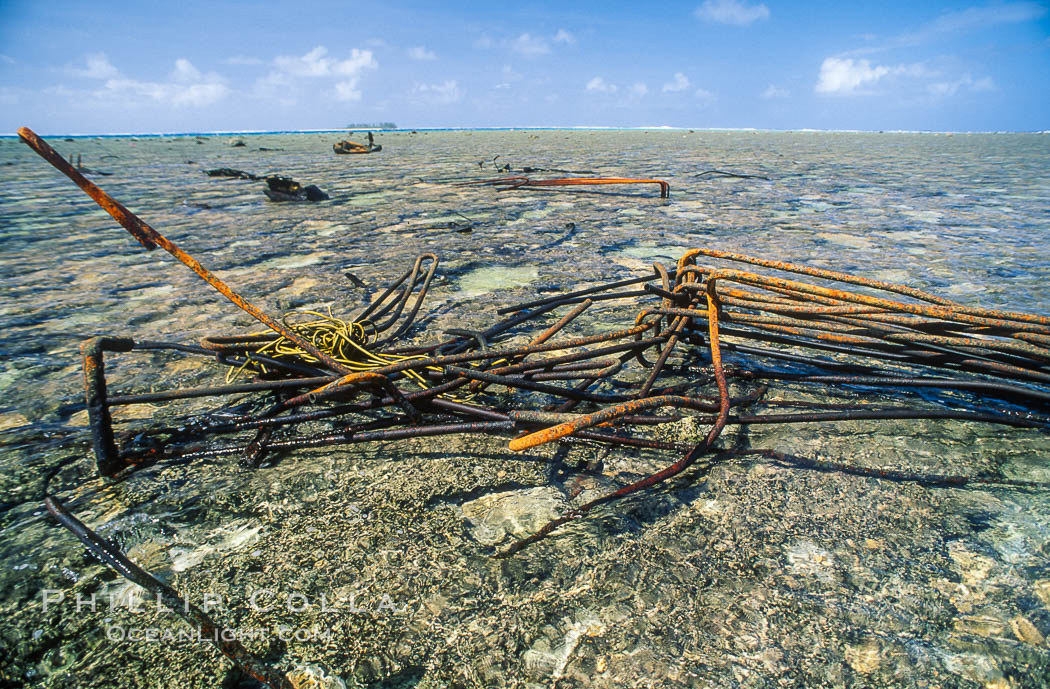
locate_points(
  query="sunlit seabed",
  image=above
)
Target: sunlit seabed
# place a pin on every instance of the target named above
(748, 575)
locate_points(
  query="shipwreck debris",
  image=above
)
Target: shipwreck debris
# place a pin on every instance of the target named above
(884, 336)
(232, 173)
(280, 188)
(346, 146)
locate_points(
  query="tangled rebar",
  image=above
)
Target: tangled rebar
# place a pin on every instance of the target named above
(315, 366)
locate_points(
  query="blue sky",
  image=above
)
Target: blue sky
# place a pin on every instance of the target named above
(110, 67)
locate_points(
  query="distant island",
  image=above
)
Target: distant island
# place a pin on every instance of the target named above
(373, 125)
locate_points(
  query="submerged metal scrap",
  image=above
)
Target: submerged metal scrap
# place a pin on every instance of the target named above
(506, 183)
(325, 362)
(202, 623)
(322, 367)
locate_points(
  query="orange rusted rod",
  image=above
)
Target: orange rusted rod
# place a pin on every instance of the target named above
(150, 239)
(145, 234)
(665, 188)
(667, 472)
(1022, 321)
(542, 337)
(604, 416)
(877, 284)
(716, 363)
(829, 275)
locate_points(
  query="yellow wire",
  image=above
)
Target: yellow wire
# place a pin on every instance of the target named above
(345, 341)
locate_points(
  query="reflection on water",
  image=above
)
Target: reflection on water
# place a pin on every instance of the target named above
(744, 575)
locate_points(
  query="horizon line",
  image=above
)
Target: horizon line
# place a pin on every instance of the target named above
(257, 132)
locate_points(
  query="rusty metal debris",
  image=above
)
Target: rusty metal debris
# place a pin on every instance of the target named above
(507, 183)
(322, 367)
(708, 327)
(287, 189)
(347, 146)
(206, 628)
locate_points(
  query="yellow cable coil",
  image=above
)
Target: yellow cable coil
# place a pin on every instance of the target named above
(345, 341)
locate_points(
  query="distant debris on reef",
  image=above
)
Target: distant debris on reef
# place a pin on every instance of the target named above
(354, 147)
(287, 189)
(83, 169)
(230, 172)
(278, 188)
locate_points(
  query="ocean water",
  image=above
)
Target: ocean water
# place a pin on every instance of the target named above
(373, 563)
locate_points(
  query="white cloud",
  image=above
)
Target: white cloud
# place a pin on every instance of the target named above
(185, 86)
(484, 42)
(679, 82)
(845, 76)
(347, 90)
(775, 92)
(734, 12)
(315, 64)
(564, 36)
(599, 85)
(638, 90)
(421, 53)
(438, 94)
(290, 70)
(97, 66)
(185, 72)
(529, 45)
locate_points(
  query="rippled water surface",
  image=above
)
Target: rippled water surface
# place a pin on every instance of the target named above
(373, 562)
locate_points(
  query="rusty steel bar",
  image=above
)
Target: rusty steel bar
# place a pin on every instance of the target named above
(547, 334)
(665, 188)
(578, 293)
(829, 275)
(332, 388)
(608, 414)
(150, 238)
(107, 456)
(216, 391)
(1019, 421)
(880, 285)
(526, 384)
(900, 382)
(668, 472)
(226, 642)
(1022, 322)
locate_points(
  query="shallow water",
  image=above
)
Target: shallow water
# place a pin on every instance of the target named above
(745, 574)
